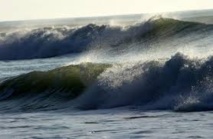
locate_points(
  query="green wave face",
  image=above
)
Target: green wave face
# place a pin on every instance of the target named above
(165, 27)
(71, 80)
(162, 29)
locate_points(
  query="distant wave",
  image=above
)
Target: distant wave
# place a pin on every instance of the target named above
(51, 42)
(179, 84)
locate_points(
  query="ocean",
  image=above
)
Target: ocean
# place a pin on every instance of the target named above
(135, 76)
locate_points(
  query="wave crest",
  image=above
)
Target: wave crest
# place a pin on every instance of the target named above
(50, 41)
(179, 84)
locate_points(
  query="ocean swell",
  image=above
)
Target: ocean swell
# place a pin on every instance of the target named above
(56, 41)
(37, 90)
(178, 84)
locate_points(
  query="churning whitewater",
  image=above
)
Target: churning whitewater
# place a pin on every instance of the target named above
(157, 64)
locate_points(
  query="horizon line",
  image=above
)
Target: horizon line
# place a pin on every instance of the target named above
(101, 16)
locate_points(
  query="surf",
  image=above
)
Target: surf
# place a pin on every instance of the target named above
(153, 33)
(177, 84)
(157, 64)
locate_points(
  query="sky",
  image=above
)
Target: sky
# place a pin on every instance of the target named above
(46, 9)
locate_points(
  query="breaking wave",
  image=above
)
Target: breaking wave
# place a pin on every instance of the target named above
(158, 64)
(56, 41)
(179, 84)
